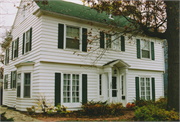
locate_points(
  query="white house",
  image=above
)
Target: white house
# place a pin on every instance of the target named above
(40, 58)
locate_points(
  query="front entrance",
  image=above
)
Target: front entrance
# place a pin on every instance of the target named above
(115, 89)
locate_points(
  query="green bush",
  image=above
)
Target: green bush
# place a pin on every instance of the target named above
(161, 103)
(101, 108)
(154, 113)
(3, 118)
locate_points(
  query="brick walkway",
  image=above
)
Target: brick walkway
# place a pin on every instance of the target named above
(17, 116)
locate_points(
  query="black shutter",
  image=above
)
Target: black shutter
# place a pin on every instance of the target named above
(12, 51)
(153, 88)
(138, 48)
(122, 43)
(23, 43)
(30, 40)
(137, 88)
(152, 51)
(57, 88)
(11, 81)
(17, 46)
(60, 36)
(84, 88)
(101, 39)
(84, 39)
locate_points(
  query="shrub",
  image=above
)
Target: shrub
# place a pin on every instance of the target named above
(101, 108)
(3, 118)
(154, 113)
(161, 103)
(31, 110)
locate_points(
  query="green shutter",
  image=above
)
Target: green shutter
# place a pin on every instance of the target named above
(101, 39)
(17, 46)
(138, 49)
(23, 43)
(15, 72)
(12, 51)
(84, 88)
(137, 88)
(57, 88)
(84, 39)
(11, 81)
(152, 51)
(122, 43)
(30, 40)
(60, 36)
(153, 88)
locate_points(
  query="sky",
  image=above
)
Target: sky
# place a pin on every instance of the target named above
(8, 12)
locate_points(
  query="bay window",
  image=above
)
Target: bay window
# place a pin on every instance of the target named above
(27, 85)
(18, 85)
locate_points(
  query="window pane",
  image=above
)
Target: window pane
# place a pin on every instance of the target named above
(114, 93)
(145, 54)
(27, 79)
(72, 43)
(145, 45)
(72, 32)
(18, 90)
(27, 91)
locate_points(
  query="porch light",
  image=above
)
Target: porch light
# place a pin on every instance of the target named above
(115, 71)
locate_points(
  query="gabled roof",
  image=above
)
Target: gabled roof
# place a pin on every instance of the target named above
(80, 11)
(118, 63)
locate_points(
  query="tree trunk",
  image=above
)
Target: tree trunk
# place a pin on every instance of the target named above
(172, 10)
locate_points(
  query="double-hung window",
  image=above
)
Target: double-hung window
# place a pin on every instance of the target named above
(145, 88)
(145, 48)
(71, 88)
(27, 85)
(13, 79)
(27, 39)
(7, 56)
(19, 85)
(6, 82)
(15, 49)
(72, 37)
(116, 42)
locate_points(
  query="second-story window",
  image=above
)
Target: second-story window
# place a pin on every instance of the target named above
(7, 56)
(72, 37)
(27, 39)
(15, 45)
(145, 48)
(108, 41)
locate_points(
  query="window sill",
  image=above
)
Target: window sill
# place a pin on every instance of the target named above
(148, 59)
(110, 49)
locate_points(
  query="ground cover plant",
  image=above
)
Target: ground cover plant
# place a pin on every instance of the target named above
(154, 111)
(3, 118)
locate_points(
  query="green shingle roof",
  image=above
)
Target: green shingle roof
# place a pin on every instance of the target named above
(80, 11)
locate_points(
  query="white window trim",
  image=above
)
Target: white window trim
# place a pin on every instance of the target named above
(145, 86)
(71, 104)
(80, 37)
(149, 49)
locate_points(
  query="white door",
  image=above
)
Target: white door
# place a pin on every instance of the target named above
(114, 89)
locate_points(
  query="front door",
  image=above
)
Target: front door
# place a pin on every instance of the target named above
(114, 89)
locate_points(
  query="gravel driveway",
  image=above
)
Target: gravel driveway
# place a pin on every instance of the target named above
(17, 116)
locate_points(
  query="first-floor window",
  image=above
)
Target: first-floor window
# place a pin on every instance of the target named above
(70, 88)
(27, 85)
(18, 85)
(5, 81)
(14, 79)
(145, 88)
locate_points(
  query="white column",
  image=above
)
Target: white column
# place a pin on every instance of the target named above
(110, 86)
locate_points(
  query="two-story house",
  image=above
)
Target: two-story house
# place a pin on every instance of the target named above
(41, 58)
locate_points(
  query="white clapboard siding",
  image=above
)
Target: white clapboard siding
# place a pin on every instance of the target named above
(51, 53)
(9, 95)
(131, 91)
(46, 80)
